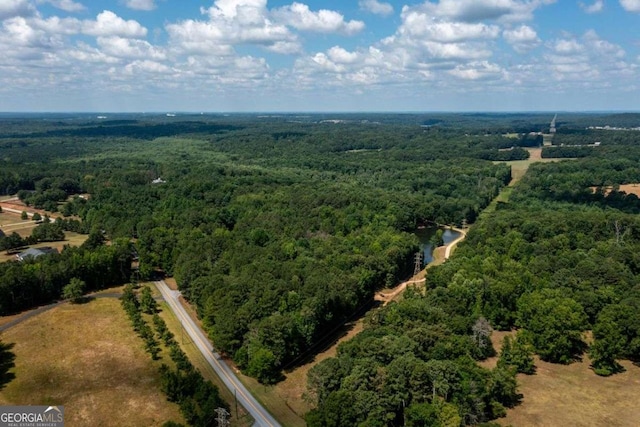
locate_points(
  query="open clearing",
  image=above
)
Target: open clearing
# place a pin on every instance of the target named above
(519, 167)
(97, 369)
(71, 239)
(518, 170)
(11, 222)
(572, 395)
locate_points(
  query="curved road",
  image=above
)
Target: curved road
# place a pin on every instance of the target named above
(226, 374)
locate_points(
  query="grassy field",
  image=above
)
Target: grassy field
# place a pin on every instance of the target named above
(71, 239)
(518, 170)
(572, 395)
(11, 222)
(87, 358)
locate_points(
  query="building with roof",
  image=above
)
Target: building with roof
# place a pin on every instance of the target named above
(36, 252)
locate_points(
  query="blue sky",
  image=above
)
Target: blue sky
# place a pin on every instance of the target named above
(355, 55)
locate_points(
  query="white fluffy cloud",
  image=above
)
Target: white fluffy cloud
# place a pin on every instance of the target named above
(120, 47)
(66, 5)
(376, 7)
(587, 58)
(340, 55)
(232, 22)
(140, 4)
(420, 25)
(108, 23)
(21, 39)
(477, 71)
(631, 5)
(480, 10)
(250, 22)
(145, 66)
(11, 8)
(522, 38)
(299, 16)
(596, 7)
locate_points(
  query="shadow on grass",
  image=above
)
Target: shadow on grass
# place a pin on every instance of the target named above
(7, 362)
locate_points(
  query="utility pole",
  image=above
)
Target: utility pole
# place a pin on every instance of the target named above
(235, 395)
(418, 263)
(222, 417)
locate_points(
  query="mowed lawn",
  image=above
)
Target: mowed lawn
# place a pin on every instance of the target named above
(10, 222)
(87, 358)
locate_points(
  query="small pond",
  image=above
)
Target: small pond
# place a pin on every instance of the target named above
(426, 233)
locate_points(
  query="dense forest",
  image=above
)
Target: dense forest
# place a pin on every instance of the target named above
(558, 259)
(278, 229)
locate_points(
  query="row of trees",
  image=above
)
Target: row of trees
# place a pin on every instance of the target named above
(183, 384)
(33, 282)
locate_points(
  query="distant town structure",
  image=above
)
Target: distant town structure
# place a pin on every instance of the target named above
(158, 181)
(36, 252)
(552, 128)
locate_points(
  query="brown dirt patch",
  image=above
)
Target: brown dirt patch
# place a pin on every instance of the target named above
(626, 188)
(87, 358)
(535, 154)
(171, 282)
(18, 205)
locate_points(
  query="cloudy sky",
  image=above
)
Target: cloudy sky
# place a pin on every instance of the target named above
(348, 55)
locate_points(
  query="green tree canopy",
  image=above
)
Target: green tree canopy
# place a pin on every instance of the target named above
(74, 290)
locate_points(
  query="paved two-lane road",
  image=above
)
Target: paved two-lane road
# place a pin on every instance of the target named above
(259, 414)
